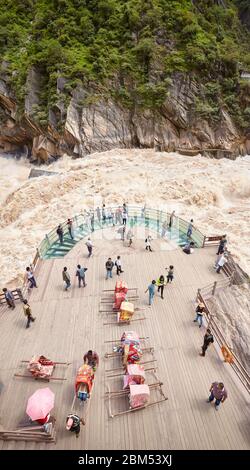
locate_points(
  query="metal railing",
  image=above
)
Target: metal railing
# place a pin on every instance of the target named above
(236, 365)
(151, 218)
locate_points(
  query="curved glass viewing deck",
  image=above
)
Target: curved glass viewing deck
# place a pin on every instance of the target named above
(150, 219)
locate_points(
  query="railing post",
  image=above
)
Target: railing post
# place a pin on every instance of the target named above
(20, 294)
(47, 238)
(204, 240)
(198, 294)
(214, 287)
(38, 253)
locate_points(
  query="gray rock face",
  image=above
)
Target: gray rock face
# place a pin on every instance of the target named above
(33, 91)
(95, 123)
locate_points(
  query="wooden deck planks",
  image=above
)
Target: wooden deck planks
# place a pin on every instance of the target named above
(69, 323)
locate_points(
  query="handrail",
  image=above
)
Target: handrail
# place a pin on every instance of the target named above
(236, 365)
(133, 211)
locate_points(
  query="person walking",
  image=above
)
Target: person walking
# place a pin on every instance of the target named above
(118, 265)
(66, 278)
(151, 291)
(30, 278)
(208, 339)
(124, 217)
(73, 424)
(70, 228)
(80, 273)
(222, 245)
(190, 229)
(89, 246)
(220, 263)
(109, 267)
(9, 297)
(60, 233)
(28, 313)
(170, 275)
(219, 393)
(148, 243)
(161, 284)
(200, 309)
(171, 220)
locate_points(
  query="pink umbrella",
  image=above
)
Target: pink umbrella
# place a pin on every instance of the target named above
(40, 403)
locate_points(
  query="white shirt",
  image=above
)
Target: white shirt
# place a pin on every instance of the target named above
(222, 261)
(118, 262)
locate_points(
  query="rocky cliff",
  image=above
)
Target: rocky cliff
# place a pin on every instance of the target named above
(100, 124)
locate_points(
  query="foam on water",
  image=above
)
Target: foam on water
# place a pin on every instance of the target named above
(215, 193)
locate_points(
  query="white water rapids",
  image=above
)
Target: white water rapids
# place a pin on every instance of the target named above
(215, 193)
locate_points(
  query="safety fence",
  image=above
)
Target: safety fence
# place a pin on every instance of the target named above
(229, 356)
(150, 218)
(20, 293)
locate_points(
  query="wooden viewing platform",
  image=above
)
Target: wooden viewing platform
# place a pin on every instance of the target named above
(69, 323)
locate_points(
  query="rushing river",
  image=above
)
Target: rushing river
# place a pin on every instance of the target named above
(215, 193)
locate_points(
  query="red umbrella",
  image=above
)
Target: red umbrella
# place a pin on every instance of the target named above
(40, 403)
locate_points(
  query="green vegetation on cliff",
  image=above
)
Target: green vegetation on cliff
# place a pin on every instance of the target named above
(130, 49)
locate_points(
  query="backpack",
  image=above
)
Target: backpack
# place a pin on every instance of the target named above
(81, 272)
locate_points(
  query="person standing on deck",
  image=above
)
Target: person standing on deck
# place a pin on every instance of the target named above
(89, 246)
(200, 309)
(66, 278)
(171, 220)
(30, 278)
(130, 237)
(220, 263)
(104, 214)
(222, 245)
(73, 424)
(70, 228)
(9, 298)
(190, 229)
(161, 284)
(92, 222)
(124, 217)
(170, 275)
(208, 339)
(117, 216)
(164, 229)
(148, 243)
(28, 313)
(118, 265)
(219, 393)
(151, 291)
(60, 233)
(109, 267)
(98, 214)
(80, 273)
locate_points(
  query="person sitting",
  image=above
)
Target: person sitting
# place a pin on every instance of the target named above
(43, 420)
(92, 359)
(82, 392)
(189, 248)
(73, 424)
